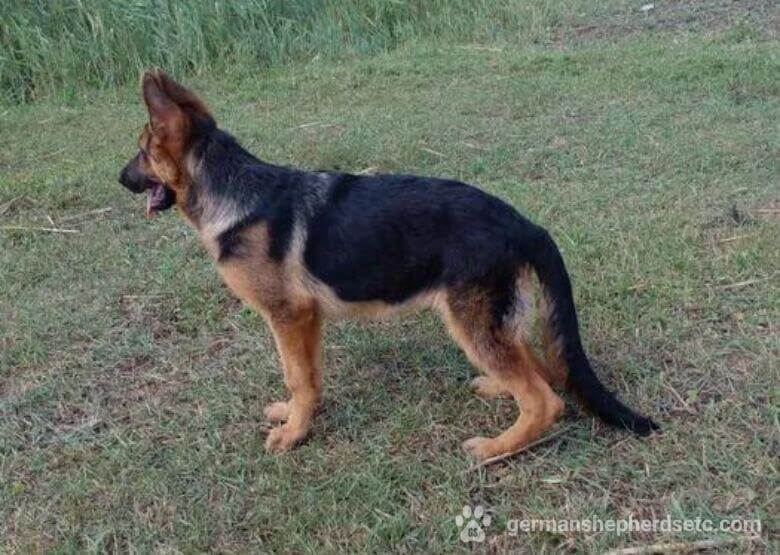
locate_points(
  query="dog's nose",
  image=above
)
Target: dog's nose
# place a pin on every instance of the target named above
(130, 181)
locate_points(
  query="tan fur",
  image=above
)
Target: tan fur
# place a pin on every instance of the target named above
(297, 335)
(258, 280)
(489, 388)
(512, 367)
(555, 367)
(295, 321)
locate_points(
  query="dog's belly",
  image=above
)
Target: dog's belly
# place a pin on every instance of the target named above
(334, 307)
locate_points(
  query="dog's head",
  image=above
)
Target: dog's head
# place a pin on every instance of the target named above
(177, 119)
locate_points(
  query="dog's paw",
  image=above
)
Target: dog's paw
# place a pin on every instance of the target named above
(282, 438)
(481, 448)
(488, 388)
(278, 411)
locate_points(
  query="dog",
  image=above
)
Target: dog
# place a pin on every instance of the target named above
(300, 247)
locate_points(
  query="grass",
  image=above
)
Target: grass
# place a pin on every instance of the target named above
(52, 47)
(131, 384)
(57, 47)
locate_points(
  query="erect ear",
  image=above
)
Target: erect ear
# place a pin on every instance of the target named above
(183, 97)
(168, 120)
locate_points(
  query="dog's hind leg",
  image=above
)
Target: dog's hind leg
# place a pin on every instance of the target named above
(489, 388)
(492, 388)
(297, 334)
(494, 349)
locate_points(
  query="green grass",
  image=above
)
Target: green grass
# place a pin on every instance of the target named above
(131, 384)
(57, 46)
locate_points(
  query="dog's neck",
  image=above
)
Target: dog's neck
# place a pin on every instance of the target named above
(227, 185)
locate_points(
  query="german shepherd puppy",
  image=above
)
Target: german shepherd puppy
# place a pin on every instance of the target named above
(300, 247)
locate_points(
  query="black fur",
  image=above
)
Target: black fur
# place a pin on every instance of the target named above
(132, 179)
(389, 237)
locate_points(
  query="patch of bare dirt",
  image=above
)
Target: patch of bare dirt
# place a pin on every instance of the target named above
(769, 210)
(157, 312)
(678, 15)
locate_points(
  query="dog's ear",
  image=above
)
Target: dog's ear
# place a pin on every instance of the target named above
(183, 97)
(175, 113)
(167, 119)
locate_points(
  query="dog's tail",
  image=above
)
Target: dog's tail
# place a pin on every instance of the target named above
(564, 342)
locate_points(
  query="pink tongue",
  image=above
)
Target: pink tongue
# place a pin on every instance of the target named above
(153, 198)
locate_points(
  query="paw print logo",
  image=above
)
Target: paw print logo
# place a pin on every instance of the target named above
(471, 524)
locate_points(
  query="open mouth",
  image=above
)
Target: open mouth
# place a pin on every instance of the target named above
(158, 197)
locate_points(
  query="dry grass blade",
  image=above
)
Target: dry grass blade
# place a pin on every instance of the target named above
(478, 47)
(87, 213)
(5, 207)
(431, 151)
(680, 547)
(737, 238)
(44, 229)
(499, 458)
(744, 283)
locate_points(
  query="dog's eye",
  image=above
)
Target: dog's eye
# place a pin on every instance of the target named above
(149, 155)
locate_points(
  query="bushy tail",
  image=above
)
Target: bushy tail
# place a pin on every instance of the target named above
(564, 333)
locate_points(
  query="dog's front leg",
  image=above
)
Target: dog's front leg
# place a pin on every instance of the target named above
(297, 335)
